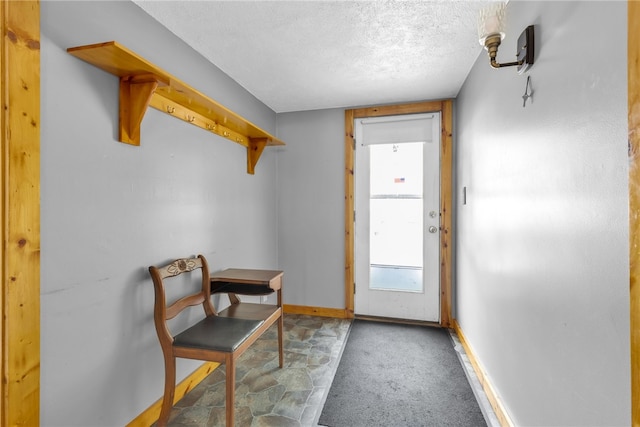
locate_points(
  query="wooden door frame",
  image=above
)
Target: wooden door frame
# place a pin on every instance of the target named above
(445, 108)
(633, 76)
(20, 187)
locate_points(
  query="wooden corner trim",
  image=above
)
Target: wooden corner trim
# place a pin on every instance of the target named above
(633, 99)
(20, 91)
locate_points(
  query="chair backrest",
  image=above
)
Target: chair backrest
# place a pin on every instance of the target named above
(162, 312)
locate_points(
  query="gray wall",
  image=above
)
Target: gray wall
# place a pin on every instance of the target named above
(109, 210)
(311, 207)
(542, 262)
(542, 244)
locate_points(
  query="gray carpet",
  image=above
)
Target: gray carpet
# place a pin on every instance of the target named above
(399, 375)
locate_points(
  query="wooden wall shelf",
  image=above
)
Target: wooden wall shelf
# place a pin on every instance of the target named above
(143, 85)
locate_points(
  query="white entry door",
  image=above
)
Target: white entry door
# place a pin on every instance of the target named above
(397, 218)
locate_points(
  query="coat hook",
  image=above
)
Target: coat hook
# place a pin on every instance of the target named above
(170, 109)
(191, 119)
(225, 133)
(211, 127)
(528, 93)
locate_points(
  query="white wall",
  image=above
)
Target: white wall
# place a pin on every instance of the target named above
(110, 210)
(311, 207)
(542, 244)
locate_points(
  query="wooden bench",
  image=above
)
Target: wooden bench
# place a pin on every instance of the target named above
(219, 337)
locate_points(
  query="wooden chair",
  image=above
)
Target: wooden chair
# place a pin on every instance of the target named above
(215, 338)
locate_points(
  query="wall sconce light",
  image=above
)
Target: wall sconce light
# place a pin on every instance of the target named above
(491, 26)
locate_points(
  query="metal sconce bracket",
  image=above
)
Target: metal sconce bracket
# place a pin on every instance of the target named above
(526, 46)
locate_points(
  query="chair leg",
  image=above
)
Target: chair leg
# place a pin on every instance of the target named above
(231, 388)
(169, 390)
(280, 341)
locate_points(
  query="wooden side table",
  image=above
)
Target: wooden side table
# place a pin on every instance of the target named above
(237, 281)
(247, 282)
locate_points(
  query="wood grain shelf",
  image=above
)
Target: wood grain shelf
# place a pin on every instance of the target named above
(143, 85)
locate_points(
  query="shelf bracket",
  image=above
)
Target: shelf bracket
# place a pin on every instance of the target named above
(135, 96)
(254, 151)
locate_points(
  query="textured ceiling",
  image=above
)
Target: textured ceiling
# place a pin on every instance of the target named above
(307, 55)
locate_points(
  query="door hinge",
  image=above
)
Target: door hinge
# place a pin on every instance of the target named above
(354, 288)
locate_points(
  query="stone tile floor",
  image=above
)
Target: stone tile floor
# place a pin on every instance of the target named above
(265, 394)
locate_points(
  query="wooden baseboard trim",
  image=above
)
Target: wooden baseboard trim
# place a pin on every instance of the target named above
(492, 397)
(338, 313)
(152, 413)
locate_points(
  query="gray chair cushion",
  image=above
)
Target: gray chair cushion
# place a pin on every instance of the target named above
(217, 333)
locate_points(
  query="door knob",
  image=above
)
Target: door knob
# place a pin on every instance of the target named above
(433, 229)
